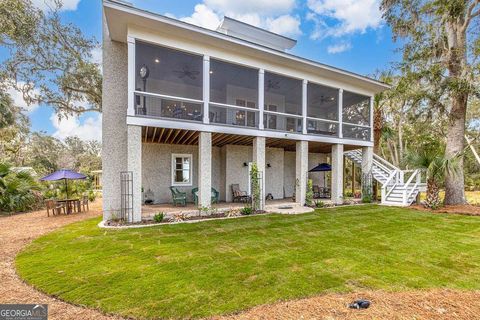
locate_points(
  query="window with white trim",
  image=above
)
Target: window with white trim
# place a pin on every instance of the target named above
(181, 169)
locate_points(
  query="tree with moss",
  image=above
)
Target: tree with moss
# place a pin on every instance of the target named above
(440, 51)
(49, 61)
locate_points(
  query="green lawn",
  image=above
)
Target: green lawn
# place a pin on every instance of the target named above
(209, 268)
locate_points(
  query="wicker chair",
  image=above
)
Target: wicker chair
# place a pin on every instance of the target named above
(215, 195)
(178, 197)
(239, 195)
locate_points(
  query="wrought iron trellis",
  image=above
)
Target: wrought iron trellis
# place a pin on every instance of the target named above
(126, 191)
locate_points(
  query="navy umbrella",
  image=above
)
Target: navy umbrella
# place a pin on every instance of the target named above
(321, 168)
(64, 174)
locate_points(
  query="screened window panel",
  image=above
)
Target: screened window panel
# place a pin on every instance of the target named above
(322, 102)
(230, 83)
(283, 92)
(170, 72)
(356, 108)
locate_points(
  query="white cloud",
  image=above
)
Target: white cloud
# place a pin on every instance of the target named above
(89, 128)
(275, 17)
(286, 25)
(68, 5)
(349, 16)
(240, 7)
(340, 47)
(19, 100)
(203, 17)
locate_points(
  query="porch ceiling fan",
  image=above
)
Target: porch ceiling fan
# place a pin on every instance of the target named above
(272, 84)
(324, 99)
(187, 72)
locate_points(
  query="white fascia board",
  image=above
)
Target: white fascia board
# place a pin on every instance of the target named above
(198, 126)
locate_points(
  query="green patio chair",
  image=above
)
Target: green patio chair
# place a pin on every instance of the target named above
(178, 197)
(215, 195)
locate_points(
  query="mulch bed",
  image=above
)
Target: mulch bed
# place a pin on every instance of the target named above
(467, 210)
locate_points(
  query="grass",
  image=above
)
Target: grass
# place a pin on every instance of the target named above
(218, 267)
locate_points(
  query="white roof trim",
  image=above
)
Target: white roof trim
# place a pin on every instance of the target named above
(190, 27)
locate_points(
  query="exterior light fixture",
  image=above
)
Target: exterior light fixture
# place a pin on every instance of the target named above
(157, 60)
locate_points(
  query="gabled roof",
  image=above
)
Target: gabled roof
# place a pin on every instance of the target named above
(120, 14)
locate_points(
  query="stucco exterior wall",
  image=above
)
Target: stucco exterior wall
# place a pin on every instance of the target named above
(236, 172)
(157, 169)
(274, 176)
(114, 134)
(289, 170)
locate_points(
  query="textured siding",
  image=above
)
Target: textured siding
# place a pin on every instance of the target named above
(114, 135)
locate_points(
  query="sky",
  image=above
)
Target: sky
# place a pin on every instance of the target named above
(347, 34)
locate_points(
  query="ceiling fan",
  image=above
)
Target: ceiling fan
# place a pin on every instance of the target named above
(324, 99)
(187, 72)
(271, 84)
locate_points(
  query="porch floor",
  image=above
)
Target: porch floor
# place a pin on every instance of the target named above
(271, 205)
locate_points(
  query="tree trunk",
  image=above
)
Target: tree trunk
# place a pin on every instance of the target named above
(433, 199)
(457, 64)
(455, 184)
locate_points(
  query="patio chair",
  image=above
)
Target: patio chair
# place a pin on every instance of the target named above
(55, 206)
(239, 195)
(316, 192)
(85, 203)
(178, 197)
(215, 195)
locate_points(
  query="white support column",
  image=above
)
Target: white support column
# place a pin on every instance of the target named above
(367, 165)
(261, 97)
(301, 169)
(337, 174)
(205, 169)
(131, 76)
(134, 164)
(304, 106)
(340, 113)
(372, 99)
(259, 159)
(206, 89)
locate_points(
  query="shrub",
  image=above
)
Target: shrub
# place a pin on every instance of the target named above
(319, 204)
(158, 217)
(309, 193)
(246, 211)
(18, 190)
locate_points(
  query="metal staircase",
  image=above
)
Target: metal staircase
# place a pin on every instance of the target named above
(399, 187)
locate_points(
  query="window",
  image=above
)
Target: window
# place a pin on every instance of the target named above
(181, 169)
(170, 72)
(322, 102)
(229, 82)
(356, 108)
(283, 92)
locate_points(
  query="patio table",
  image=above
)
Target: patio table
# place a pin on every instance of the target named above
(70, 204)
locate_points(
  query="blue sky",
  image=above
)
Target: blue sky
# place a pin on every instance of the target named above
(347, 34)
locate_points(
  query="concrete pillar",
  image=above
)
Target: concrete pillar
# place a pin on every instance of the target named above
(367, 165)
(337, 174)
(134, 164)
(301, 171)
(205, 169)
(258, 156)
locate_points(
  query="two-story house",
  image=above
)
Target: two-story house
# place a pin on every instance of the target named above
(189, 107)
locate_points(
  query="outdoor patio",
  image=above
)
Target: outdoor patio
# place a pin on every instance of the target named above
(286, 206)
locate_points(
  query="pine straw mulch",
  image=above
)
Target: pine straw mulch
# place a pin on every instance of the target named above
(431, 304)
(466, 209)
(19, 230)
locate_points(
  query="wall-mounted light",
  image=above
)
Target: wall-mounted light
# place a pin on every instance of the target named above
(269, 165)
(211, 72)
(157, 60)
(245, 164)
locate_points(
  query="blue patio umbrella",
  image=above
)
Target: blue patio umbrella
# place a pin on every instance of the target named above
(64, 174)
(322, 167)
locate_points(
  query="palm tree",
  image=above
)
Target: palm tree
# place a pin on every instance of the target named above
(437, 165)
